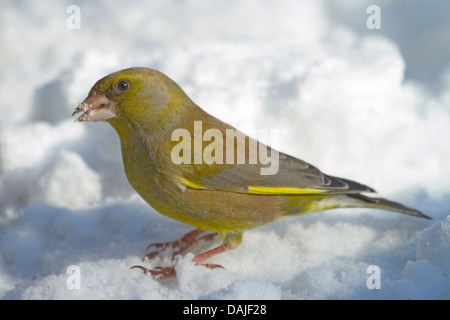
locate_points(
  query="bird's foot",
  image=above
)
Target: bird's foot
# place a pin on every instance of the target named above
(158, 272)
(169, 272)
(180, 246)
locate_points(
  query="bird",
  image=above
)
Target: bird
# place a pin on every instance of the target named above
(175, 157)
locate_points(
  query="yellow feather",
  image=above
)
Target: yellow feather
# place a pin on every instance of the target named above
(283, 190)
(191, 184)
(262, 189)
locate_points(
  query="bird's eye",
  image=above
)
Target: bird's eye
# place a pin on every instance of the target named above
(123, 85)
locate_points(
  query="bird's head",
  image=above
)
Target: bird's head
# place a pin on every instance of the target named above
(136, 98)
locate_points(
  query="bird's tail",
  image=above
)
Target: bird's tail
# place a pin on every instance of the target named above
(384, 204)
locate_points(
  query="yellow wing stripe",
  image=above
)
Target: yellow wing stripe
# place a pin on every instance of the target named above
(283, 190)
(261, 189)
(191, 184)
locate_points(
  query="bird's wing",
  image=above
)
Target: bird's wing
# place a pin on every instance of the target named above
(293, 177)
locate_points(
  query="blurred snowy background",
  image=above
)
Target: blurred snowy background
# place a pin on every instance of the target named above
(369, 105)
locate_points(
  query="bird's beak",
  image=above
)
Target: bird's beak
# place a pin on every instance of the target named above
(96, 107)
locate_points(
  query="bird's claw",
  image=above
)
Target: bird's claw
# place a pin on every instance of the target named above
(212, 265)
(160, 273)
(180, 245)
(161, 247)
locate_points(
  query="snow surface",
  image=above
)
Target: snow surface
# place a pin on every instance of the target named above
(369, 105)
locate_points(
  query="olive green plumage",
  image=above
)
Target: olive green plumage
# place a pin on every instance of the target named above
(145, 107)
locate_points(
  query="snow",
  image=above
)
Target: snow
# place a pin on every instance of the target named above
(369, 105)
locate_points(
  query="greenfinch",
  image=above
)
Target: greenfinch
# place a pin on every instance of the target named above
(194, 168)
